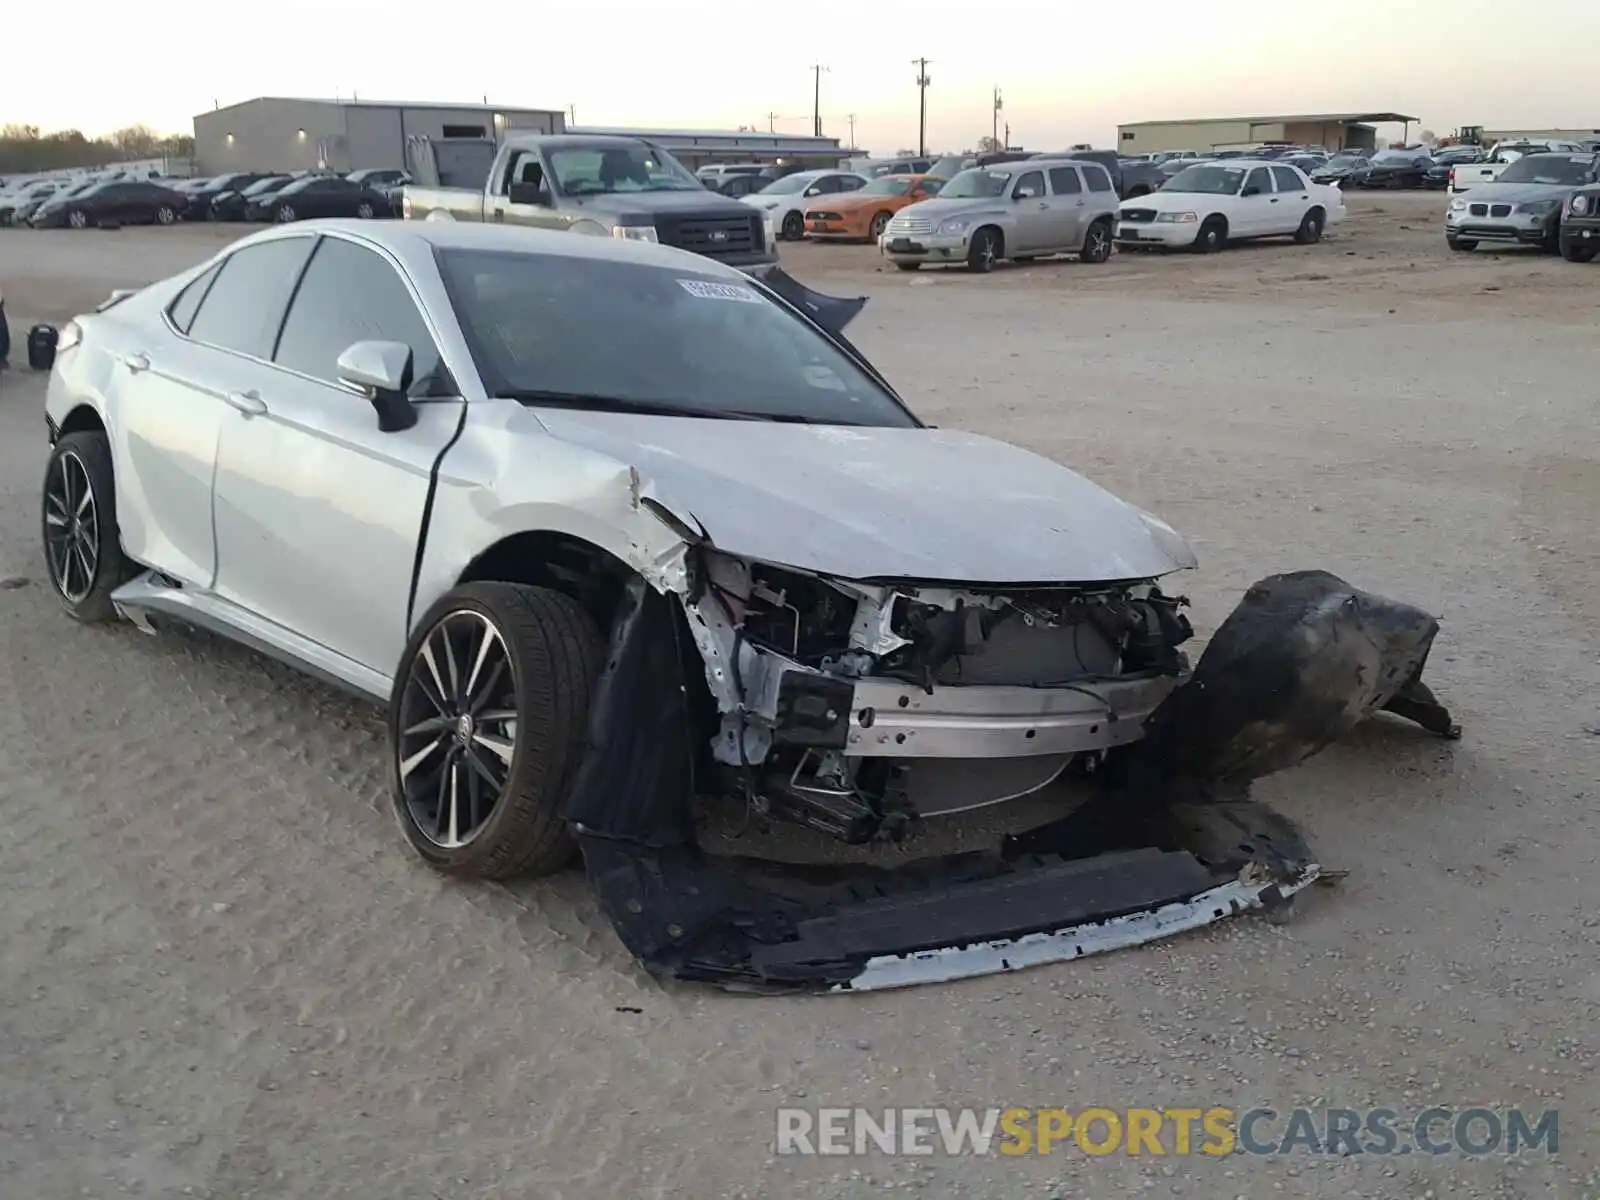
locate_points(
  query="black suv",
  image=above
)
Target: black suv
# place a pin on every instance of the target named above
(1580, 225)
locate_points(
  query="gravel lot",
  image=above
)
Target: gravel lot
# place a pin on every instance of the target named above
(224, 976)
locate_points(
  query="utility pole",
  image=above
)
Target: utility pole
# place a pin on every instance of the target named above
(994, 125)
(1007, 146)
(772, 122)
(921, 65)
(852, 119)
(572, 113)
(816, 98)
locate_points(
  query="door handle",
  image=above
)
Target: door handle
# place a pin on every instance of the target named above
(1081, 204)
(249, 403)
(1043, 204)
(136, 362)
(1274, 199)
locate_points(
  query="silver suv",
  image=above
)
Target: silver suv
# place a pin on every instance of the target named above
(1017, 211)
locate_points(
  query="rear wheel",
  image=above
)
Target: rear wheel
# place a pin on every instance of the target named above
(794, 227)
(984, 251)
(1096, 243)
(1310, 230)
(1213, 236)
(1461, 244)
(487, 727)
(82, 547)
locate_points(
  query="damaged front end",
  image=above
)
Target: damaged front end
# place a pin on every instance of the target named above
(864, 710)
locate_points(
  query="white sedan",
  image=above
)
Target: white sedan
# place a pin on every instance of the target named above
(1208, 205)
(784, 200)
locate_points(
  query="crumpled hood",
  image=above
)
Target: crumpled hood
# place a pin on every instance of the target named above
(1517, 193)
(863, 503)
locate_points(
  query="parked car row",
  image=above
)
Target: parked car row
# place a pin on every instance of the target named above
(237, 196)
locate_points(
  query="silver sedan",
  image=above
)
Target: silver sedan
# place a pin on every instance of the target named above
(617, 533)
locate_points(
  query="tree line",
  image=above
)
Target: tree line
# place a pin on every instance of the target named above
(25, 149)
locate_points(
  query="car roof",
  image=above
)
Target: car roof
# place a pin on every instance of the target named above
(411, 241)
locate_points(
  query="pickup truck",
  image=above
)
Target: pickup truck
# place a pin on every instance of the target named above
(618, 187)
(1464, 176)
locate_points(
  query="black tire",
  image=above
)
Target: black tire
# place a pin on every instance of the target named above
(78, 219)
(794, 227)
(1552, 237)
(1573, 252)
(1460, 244)
(1310, 231)
(283, 214)
(909, 266)
(1096, 243)
(880, 222)
(165, 215)
(986, 248)
(82, 458)
(554, 652)
(1213, 236)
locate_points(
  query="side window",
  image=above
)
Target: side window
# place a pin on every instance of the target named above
(244, 307)
(851, 183)
(1029, 187)
(1287, 180)
(182, 310)
(1064, 181)
(1260, 180)
(525, 168)
(1099, 179)
(351, 294)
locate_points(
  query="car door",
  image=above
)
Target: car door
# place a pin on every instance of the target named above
(1030, 204)
(1068, 204)
(318, 512)
(1253, 206)
(170, 391)
(523, 195)
(1292, 199)
(110, 203)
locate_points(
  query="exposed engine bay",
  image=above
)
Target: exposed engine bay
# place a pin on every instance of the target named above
(857, 709)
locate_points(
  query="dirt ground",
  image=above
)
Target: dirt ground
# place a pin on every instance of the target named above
(224, 976)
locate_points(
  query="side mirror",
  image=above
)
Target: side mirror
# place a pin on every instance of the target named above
(381, 371)
(529, 193)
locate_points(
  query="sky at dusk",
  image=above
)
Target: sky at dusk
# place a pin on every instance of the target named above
(1067, 73)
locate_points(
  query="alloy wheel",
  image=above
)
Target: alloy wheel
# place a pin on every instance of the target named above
(285, 214)
(1097, 249)
(72, 528)
(364, 211)
(458, 728)
(77, 220)
(164, 215)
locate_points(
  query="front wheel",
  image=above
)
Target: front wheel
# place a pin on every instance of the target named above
(1310, 231)
(78, 219)
(880, 222)
(165, 216)
(1096, 243)
(984, 251)
(364, 210)
(1552, 237)
(794, 227)
(912, 266)
(487, 728)
(284, 214)
(82, 547)
(1573, 252)
(1212, 237)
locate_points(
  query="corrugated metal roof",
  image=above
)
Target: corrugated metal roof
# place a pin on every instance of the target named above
(350, 102)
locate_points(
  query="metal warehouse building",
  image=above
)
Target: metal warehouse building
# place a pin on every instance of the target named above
(274, 133)
(1333, 130)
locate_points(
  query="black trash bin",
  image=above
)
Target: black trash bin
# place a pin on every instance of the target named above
(42, 347)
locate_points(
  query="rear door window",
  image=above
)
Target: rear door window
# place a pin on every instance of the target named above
(1287, 180)
(1065, 181)
(244, 308)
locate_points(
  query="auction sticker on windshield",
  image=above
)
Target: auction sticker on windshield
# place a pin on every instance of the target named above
(708, 290)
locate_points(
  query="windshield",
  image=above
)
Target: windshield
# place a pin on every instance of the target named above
(1346, 160)
(545, 328)
(602, 170)
(950, 166)
(1209, 180)
(788, 185)
(1570, 169)
(887, 186)
(976, 184)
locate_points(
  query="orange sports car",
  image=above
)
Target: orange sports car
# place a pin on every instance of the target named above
(861, 215)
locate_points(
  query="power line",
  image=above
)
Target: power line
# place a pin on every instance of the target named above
(922, 105)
